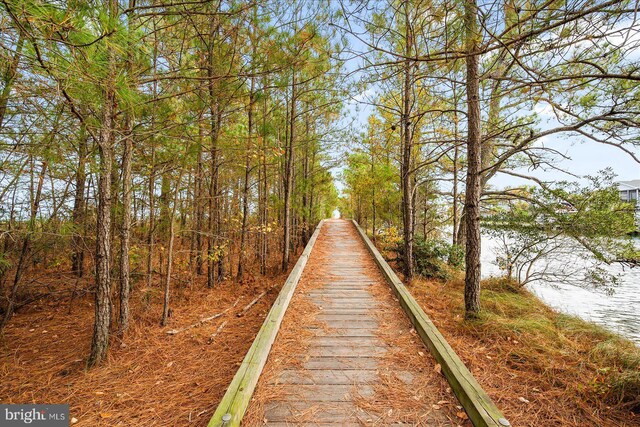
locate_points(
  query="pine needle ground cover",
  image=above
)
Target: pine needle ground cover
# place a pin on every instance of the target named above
(541, 367)
(151, 378)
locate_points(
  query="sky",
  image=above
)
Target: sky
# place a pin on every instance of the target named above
(584, 157)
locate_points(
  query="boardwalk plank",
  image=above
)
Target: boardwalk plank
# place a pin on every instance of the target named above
(352, 351)
(336, 412)
(351, 324)
(328, 376)
(327, 393)
(344, 363)
(343, 341)
(353, 311)
(321, 332)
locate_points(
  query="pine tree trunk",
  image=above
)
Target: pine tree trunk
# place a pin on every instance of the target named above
(456, 157)
(288, 178)
(245, 189)
(125, 236)
(305, 189)
(474, 159)
(456, 217)
(77, 257)
(152, 215)
(407, 191)
(167, 277)
(264, 208)
(373, 195)
(152, 174)
(172, 234)
(214, 257)
(100, 341)
(197, 200)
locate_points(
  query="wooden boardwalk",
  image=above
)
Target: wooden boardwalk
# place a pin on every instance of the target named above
(346, 354)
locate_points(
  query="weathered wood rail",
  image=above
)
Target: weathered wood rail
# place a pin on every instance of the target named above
(236, 399)
(362, 350)
(478, 405)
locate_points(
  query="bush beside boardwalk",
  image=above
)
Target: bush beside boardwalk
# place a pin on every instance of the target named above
(541, 367)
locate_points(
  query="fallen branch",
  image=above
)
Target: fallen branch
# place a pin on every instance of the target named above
(220, 328)
(252, 303)
(202, 321)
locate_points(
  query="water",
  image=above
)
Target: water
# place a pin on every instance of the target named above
(618, 311)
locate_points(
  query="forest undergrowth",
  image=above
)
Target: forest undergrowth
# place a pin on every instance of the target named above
(150, 377)
(541, 367)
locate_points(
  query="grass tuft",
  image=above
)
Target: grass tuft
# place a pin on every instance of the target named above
(576, 372)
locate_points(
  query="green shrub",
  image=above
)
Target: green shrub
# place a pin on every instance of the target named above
(436, 258)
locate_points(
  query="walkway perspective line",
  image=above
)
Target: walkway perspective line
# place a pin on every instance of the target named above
(236, 399)
(346, 354)
(478, 405)
(351, 350)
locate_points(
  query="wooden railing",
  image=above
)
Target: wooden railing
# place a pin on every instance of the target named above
(479, 407)
(236, 399)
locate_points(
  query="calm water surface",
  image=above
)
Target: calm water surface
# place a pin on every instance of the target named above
(619, 312)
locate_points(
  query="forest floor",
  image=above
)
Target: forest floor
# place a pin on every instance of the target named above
(151, 378)
(541, 367)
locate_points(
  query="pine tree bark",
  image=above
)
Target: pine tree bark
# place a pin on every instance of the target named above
(163, 205)
(215, 260)
(288, 177)
(152, 173)
(264, 185)
(152, 215)
(245, 190)
(197, 200)
(474, 159)
(373, 192)
(125, 236)
(125, 233)
(305, 188)
(407, 191)
(100, 339)
(456, 157)
(214, 257)
(172, 234)
(77, 257)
